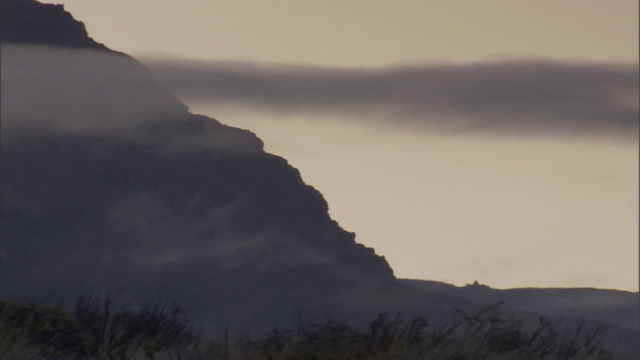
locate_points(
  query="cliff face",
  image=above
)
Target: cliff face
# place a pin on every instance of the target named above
(29, 22)
(108, 182)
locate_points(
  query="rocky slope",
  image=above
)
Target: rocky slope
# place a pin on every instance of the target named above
(29, 22)
(108, 182)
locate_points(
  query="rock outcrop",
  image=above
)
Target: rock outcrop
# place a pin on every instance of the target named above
(30, 22)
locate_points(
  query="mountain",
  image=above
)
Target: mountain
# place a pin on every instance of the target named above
(110, 184)
(107, 179)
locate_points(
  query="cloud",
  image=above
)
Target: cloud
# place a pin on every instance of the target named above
(87, 91)
(518, 97)
(79, 90)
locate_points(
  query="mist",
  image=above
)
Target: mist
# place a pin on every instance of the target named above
(53, 88)
(526, 97)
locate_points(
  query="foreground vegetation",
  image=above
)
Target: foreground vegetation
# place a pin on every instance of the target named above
(96, 329)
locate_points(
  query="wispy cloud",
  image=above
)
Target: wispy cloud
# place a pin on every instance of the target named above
(519, 97)
(79, 90)
(97, 92)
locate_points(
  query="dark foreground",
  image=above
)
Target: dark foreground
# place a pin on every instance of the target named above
(100, 329)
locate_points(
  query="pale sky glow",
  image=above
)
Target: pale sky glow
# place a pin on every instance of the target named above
(505, 210)
(364, 32)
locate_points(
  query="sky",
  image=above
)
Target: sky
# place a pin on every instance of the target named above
(494, 141)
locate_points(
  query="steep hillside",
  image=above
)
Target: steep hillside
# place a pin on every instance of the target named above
(108, 182)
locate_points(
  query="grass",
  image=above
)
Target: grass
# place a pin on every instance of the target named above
(97, 329)
(93, 330)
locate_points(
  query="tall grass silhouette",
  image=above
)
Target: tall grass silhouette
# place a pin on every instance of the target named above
(96, 328)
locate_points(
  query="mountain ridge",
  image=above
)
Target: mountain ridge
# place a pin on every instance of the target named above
(31, 22)
(137, 147)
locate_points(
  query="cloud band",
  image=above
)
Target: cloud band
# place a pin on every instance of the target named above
(520, 97)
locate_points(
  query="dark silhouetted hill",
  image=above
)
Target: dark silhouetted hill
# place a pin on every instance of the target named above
(108, 182)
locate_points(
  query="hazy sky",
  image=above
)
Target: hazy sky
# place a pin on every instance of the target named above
(464, 140)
